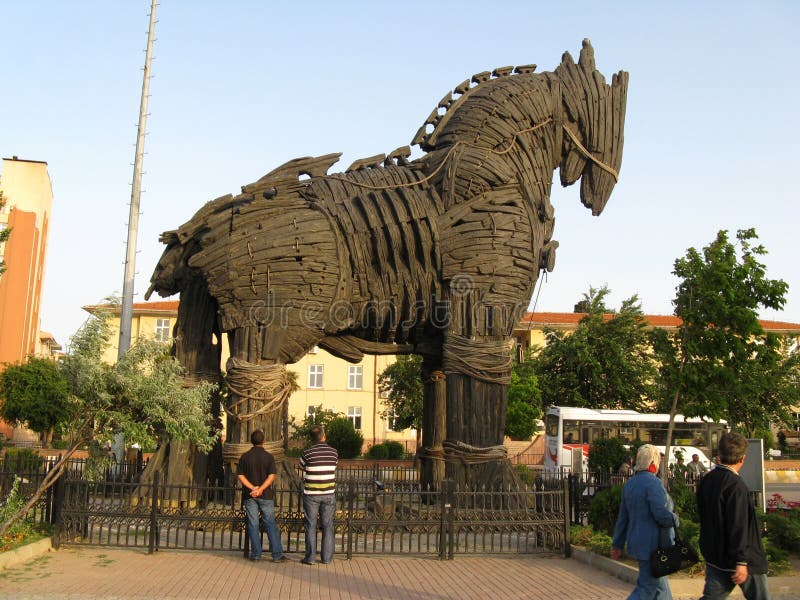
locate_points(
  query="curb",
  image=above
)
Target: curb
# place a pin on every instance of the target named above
(614, 568)
(11, 558)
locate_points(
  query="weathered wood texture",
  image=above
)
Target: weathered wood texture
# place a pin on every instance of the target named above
(437, 256)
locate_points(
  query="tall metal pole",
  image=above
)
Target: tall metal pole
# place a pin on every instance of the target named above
(126, 316)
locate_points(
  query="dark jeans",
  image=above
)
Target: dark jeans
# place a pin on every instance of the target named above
(322, 506)
(266, 508)
(719, 585)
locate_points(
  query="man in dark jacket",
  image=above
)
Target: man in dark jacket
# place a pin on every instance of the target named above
(730, 539)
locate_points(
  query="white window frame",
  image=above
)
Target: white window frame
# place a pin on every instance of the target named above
(354, 413)
(315, 376)
(312, 410)
(163, 330)
(391, 417)
(355, 377)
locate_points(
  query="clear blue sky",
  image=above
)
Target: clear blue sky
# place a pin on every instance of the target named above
(711, 138)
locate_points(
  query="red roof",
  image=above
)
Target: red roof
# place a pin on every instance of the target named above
(544, 319)
(663, 321)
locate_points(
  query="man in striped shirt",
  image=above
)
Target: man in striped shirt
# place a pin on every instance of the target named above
(318, 464)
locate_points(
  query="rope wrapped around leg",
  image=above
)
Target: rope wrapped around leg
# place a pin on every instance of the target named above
(485, 360)
(459, 452)
(267, 384)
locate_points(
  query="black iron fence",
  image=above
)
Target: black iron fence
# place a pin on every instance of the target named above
(376, 519)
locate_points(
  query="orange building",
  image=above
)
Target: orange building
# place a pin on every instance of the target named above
(28, 197)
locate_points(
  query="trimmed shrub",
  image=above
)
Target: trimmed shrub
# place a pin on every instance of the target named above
(580, 534)
(600, 543)
(344, 437)
(604, 509)
(378, 452)
(395, 450)
(783, 530)
(606, 455)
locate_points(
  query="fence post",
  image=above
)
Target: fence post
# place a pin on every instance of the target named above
(567, 541)
(153, 515)
(451, 518)
(351, 494)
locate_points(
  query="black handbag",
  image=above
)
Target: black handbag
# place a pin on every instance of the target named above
(664, 561)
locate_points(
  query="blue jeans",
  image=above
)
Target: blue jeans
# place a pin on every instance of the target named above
(254, 506)
(324, 506)
(649, 587)
(719, 585)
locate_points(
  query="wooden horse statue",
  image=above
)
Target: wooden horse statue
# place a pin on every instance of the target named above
(436, 256)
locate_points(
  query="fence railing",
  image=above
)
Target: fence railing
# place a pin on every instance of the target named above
(390, 518)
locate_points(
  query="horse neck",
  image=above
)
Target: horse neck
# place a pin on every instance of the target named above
(501, 134)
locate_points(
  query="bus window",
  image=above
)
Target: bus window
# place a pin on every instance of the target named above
(571, 432)
(626, 432)
(551, 425)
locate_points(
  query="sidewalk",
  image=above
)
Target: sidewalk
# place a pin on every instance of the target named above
(117, 574)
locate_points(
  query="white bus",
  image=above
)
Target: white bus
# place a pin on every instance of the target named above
(569, 431)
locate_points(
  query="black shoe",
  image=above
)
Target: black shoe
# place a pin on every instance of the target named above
(281, 558)
(306, 562)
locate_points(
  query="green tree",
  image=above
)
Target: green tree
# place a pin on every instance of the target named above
(524, 405)
(302, 431)
(720, 363)
(142, 396)
(605, 363)
(401, 383)
(35, 393)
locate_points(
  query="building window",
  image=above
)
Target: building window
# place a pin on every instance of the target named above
(315, 376)
(391, 418)
(355, 378)
(162, 333)
(354, 414)
(312, 411)
(314, 350)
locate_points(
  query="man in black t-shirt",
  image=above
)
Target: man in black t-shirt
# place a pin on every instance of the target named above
(256, 472)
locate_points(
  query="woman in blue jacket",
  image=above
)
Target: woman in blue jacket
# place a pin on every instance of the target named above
(645, 513)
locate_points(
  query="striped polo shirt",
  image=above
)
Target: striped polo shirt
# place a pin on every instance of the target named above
(319, 469)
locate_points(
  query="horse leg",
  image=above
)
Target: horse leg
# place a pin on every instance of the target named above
(432, 469)
(258, 390)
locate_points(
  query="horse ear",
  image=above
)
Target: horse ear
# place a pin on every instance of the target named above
(586, 60)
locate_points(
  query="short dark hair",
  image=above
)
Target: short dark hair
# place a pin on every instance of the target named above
(317, 433)
(257, 437)
(732, 447)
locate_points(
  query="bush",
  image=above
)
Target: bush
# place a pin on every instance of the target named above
(604, 508)
(580, 534)
(783, 531)
(777, 558)
(344, 437)
(606, 455)
(378, 452)
(22, 460)
(600, 543)
(60, 444)
(395, 450)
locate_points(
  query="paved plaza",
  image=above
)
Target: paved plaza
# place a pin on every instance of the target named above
(111, 573)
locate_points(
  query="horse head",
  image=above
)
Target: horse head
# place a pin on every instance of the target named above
(593, 123)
